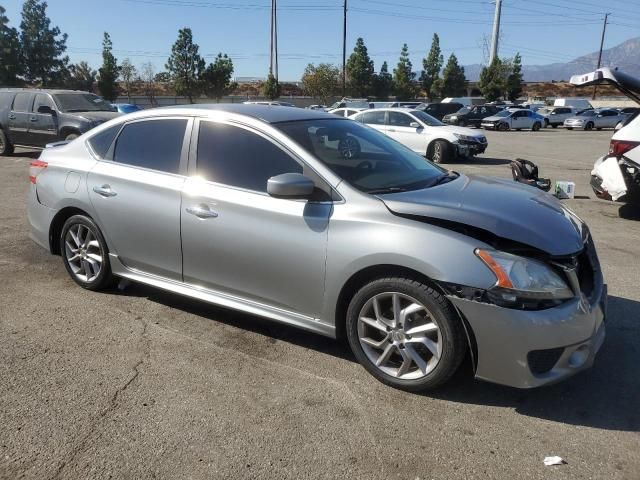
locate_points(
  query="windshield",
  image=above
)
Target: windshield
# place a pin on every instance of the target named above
(365, 158)
(82, 102)
(586, 113)
(463, 111)
(427, 119)
(503, 113)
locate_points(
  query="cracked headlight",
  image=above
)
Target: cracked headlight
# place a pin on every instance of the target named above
(520, 279)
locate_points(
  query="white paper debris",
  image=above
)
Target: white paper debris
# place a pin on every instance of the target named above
(612, 179)
(549, 461)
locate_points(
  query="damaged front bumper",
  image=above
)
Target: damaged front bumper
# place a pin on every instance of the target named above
(469, 149)
(530, 348)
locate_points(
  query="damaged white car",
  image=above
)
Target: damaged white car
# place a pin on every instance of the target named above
(616, 176)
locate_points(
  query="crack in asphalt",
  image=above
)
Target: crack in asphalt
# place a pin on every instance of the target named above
(111, 407)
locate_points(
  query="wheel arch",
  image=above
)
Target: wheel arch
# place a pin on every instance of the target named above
(360, 278)
(55, 229)
(69, 129)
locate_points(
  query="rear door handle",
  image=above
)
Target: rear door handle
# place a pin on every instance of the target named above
(12, 117)
(33, 119)
(105, 191)
(201, 211)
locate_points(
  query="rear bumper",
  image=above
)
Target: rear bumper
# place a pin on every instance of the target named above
(40, 217)
(527, 349)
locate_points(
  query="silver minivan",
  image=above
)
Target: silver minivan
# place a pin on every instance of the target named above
(325, 224)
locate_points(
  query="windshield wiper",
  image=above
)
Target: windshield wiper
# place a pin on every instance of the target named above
(386, 190)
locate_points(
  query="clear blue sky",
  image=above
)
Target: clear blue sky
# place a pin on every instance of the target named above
(544, 31)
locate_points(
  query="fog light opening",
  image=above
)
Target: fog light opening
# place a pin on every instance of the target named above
(579, 357)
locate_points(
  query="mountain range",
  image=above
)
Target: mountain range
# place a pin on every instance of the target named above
(626, 56)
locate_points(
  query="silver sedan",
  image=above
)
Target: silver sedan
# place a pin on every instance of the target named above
(598, 119)
(324, 224)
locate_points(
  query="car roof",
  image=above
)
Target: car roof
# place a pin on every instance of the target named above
(265, 113)
(41, 90)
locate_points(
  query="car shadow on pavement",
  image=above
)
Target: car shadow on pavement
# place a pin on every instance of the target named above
(606, 396)
(29, 154)
(483, 161)
(263, 326)
(629, 211)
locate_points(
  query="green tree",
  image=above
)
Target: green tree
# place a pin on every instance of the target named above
(42, 45)
(360, 70)
(432, 65)
(186, 65)
(492, 82)
(321, 81)
(383, 83)
(217, 77)
(454, 83)
(163, 77)
(10, 65)
(271, 88)
(128, 74)
(108, 71)
(81, 77)
(403, 75)
(514, 80)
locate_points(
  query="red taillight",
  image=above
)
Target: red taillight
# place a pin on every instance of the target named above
(619, 147)
(36, 167)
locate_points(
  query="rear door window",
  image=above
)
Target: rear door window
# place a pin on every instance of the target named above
(153, 144)
(22, 102)
(373, 118)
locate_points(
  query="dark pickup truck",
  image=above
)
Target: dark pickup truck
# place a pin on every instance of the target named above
(34, 118)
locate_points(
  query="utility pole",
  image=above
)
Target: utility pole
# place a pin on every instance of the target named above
(496, 32)
(271, 41)
(604, 30)
(275, 32)
(344, 50)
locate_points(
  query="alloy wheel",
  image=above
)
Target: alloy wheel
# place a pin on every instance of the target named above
(83, 252)
(437, 152)
(399, 336)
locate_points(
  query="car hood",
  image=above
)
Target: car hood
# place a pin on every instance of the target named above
(95, 116)
(493, 118)
(462, 131)
(505, 208)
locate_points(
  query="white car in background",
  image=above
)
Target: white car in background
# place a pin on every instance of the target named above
(346, 112)
(424, 134)
(616, 175)
(510, 119)
(598, 119)
(555, 116)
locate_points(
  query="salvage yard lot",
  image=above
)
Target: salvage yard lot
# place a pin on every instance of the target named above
(143, 384)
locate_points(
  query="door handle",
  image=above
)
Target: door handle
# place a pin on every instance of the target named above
(33, 119)
(105, 191)
(201, 211)
(12, 117)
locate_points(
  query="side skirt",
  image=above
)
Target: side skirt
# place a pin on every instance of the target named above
(222, 299)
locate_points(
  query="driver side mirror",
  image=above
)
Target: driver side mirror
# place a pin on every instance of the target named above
(46, 110)
(415, 125)
(290, 185)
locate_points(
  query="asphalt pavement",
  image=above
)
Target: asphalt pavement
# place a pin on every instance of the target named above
(138, 383)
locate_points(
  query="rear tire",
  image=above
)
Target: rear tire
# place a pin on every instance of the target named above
(440, 152)
(5, 145)
(85, 254)
(412, 338)
(71, 136)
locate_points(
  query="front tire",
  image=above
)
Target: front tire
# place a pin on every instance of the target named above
(503, 127)
(405, 334)
(589, 126)
(536, 127)
(546, 123)
(85, 254)
(440, 152)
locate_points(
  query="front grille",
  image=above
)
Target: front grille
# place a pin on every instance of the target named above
(541, 361)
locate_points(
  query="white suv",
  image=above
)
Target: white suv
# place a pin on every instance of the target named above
(617, 175)
(555, 116)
